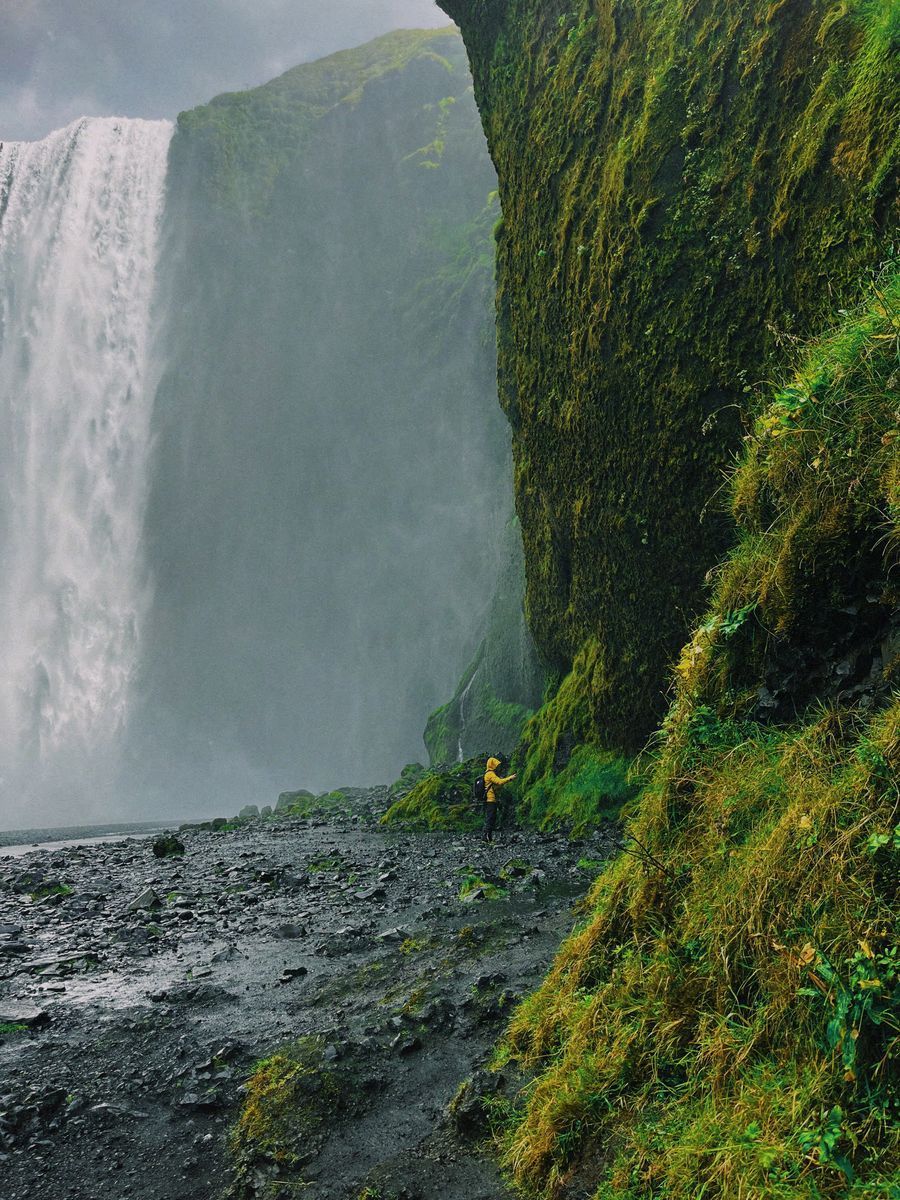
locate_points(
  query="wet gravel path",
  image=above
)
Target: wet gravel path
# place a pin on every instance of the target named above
(136, 994)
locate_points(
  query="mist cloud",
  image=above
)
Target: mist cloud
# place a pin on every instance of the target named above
(60, 61)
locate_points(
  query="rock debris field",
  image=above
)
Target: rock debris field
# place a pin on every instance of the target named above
(137, 995)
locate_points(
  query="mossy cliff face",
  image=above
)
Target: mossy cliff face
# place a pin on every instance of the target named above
(685, 187)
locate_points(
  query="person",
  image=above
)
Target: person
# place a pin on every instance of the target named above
(492, 784)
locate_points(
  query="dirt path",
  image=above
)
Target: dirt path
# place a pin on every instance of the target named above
(146, 1013)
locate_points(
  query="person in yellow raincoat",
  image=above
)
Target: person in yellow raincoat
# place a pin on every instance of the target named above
(492, 783)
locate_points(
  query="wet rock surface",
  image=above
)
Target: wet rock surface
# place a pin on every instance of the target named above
(138, 992)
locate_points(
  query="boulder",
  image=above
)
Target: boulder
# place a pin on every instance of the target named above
(12, 1013)
(249, 810)
(291, 799)
(147, 899)
(168, 846)
(266, 810)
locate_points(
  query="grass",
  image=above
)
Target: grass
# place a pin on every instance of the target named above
(472, 882)
(725, 1021)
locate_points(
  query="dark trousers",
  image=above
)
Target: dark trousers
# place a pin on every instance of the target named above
(490, 820)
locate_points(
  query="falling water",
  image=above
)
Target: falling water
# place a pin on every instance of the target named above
(80, 215)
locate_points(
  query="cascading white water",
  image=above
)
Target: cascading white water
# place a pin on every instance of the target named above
(80, 216)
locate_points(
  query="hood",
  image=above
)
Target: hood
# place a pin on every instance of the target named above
(493, 764)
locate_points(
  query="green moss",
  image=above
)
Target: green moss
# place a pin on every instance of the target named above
(725, 1022)
(439, 800)
(472, 882)
(686, 187)
(289, 1101)
(245, 140)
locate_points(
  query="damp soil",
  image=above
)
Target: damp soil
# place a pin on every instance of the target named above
(137, 994)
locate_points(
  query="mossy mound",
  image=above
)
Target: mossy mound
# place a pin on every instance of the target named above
(686, 187)
(726, 1020)
(290, 1103)
(438, 799)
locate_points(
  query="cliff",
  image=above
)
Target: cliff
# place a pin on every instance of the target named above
(333, 472)
(687, 189)
(699, 205)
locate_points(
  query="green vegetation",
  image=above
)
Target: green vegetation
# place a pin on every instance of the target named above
(687, 187)
(288, 1101)
(8, 1028)
(438, 800)
(726, 1022)
(472, 882)
(564, 777)
(51, 889)
(243, 141)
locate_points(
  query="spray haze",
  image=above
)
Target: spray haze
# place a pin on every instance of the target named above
(267, 570)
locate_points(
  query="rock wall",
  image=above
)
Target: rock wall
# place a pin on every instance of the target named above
(687, 189)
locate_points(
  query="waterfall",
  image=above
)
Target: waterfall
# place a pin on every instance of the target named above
(80, 216)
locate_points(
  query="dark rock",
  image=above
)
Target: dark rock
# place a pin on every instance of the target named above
(289, 974)
(249, 810)
(291, 799)
(290, 931)
(168, 846)
(12, 1013)
(146, 899)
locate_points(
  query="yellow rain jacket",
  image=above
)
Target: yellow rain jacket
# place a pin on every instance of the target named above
(492, 780)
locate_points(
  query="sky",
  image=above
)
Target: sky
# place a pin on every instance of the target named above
(63, 59)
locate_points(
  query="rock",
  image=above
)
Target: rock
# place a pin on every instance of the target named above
(372, 893)
(22, 1014)
(291, 799)
(27, 881)
(147, 899)
(14, 948)
(289, 974)
(266, 810)
(394, 935)
(249, 810)
(406, 1044)
(290, 931)
(168, 846)
(466, 1110)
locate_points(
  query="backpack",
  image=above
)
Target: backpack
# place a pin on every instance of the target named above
(479, 790)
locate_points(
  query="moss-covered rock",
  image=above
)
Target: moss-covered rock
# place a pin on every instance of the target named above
(686, 188)
(438, 799)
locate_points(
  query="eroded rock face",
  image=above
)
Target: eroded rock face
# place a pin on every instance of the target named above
(678, 195)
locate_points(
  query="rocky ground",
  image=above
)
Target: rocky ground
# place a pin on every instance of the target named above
(137, 994)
